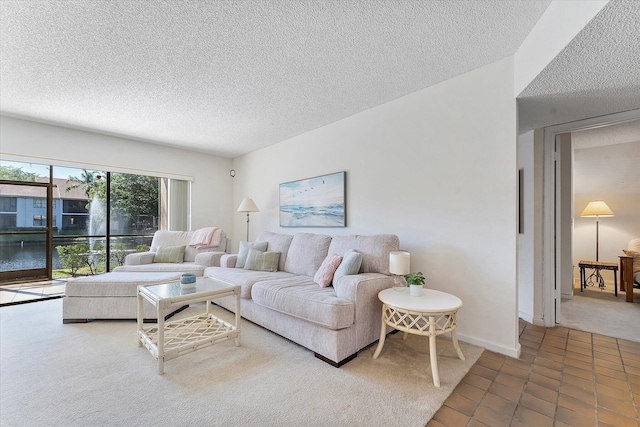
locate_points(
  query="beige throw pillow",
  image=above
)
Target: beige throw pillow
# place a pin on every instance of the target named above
(262, 261)
(173, 254)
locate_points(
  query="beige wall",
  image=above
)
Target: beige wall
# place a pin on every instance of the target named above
(41, 143)
(438, 168)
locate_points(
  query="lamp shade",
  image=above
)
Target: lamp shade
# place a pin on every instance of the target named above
(248, 205)
(597, 208)
(399, 262)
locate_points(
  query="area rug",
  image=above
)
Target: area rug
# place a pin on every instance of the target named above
(95, 374)
(601, 312)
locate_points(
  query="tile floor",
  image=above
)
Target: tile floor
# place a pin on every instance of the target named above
(19, 293)
(564, 377)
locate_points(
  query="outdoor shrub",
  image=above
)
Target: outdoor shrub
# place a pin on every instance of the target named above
(73, 257)
(118, 253)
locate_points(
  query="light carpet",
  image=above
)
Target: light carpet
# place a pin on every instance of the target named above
(94, 374)
(601, 312)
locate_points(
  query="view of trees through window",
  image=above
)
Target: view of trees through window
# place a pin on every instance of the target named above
(97, 217)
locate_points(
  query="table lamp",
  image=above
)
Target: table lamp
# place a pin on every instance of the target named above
(399, 263)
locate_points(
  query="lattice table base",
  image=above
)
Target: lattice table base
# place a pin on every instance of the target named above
(420, 323)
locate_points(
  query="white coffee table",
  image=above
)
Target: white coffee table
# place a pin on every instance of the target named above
(169, 340)
(431, 314)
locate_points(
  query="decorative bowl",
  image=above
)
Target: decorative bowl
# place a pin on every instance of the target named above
(188, 280)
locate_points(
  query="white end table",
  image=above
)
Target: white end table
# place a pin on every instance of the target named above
(172, 339)
(431, 314)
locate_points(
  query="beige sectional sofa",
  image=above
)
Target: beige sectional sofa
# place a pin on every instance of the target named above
(194, 261)
(336, 321)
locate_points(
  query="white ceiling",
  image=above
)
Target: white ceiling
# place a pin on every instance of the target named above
(228, 78)
(608, 135)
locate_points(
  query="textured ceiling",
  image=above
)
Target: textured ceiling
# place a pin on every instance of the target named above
(596, 74)
(229, 77)
(607, 135)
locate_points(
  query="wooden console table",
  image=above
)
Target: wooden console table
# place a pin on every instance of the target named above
(596, 277)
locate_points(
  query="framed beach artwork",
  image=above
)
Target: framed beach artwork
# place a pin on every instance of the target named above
(314, 202)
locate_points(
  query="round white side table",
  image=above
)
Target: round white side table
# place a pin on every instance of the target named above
(432, 314)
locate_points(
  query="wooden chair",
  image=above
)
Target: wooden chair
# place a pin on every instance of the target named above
(626, 270)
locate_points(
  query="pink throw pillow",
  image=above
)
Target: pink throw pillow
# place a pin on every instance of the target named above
(324, 275)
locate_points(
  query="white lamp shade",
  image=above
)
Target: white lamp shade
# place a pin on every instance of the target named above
(597, 208)
(248, 205)
(399, 262)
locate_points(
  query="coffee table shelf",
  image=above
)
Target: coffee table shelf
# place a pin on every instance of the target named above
(168, 340)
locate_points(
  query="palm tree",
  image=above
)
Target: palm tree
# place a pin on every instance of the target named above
(87, 180)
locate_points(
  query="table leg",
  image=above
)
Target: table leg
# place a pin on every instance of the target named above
(454, 339)
(140, 318)
(615, 282)
(582, 279)
(432, 351)
(383, 335)
(160, 342)
(237, 318)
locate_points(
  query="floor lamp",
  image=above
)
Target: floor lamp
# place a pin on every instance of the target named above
(596, 209)
(247, 206)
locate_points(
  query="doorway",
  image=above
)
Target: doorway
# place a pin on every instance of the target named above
(558, 215)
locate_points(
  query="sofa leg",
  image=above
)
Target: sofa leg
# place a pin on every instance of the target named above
(65, 321)
(336, 364)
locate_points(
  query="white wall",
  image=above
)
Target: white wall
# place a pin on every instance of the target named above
(530, 156)
(41, 143)
(608, 173)
(438, 168)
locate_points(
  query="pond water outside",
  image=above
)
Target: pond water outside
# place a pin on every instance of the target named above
(17, 257)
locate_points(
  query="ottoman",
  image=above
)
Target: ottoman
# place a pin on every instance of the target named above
(111, 296)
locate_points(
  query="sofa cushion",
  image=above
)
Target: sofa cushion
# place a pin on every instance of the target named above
(243, 252)
(262, 261)
(178, 238)
(115, 284)
(301, 297)
(276, 243)
(244, 278)
(306, 253)
(374, 249)
(161, 267)
(324, 275)
(169, 254)
(350, 265)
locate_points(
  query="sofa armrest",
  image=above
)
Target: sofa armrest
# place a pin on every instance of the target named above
(228, 260)
(209, 259)
(364, 285)
(139, 258)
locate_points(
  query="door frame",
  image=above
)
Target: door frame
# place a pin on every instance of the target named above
(550, 244)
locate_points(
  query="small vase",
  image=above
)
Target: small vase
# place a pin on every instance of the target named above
(415, 290)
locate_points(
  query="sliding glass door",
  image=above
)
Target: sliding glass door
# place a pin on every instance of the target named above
(58, 221)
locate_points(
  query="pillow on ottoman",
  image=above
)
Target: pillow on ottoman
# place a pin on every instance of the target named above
(324, 275)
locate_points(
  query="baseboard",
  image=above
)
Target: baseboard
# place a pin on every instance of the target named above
(498, 348)
(538, 321)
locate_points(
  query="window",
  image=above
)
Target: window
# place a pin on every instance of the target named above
(7, 221)
(8, 204)
(39, 220)
(74, 206)
(39, 203)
